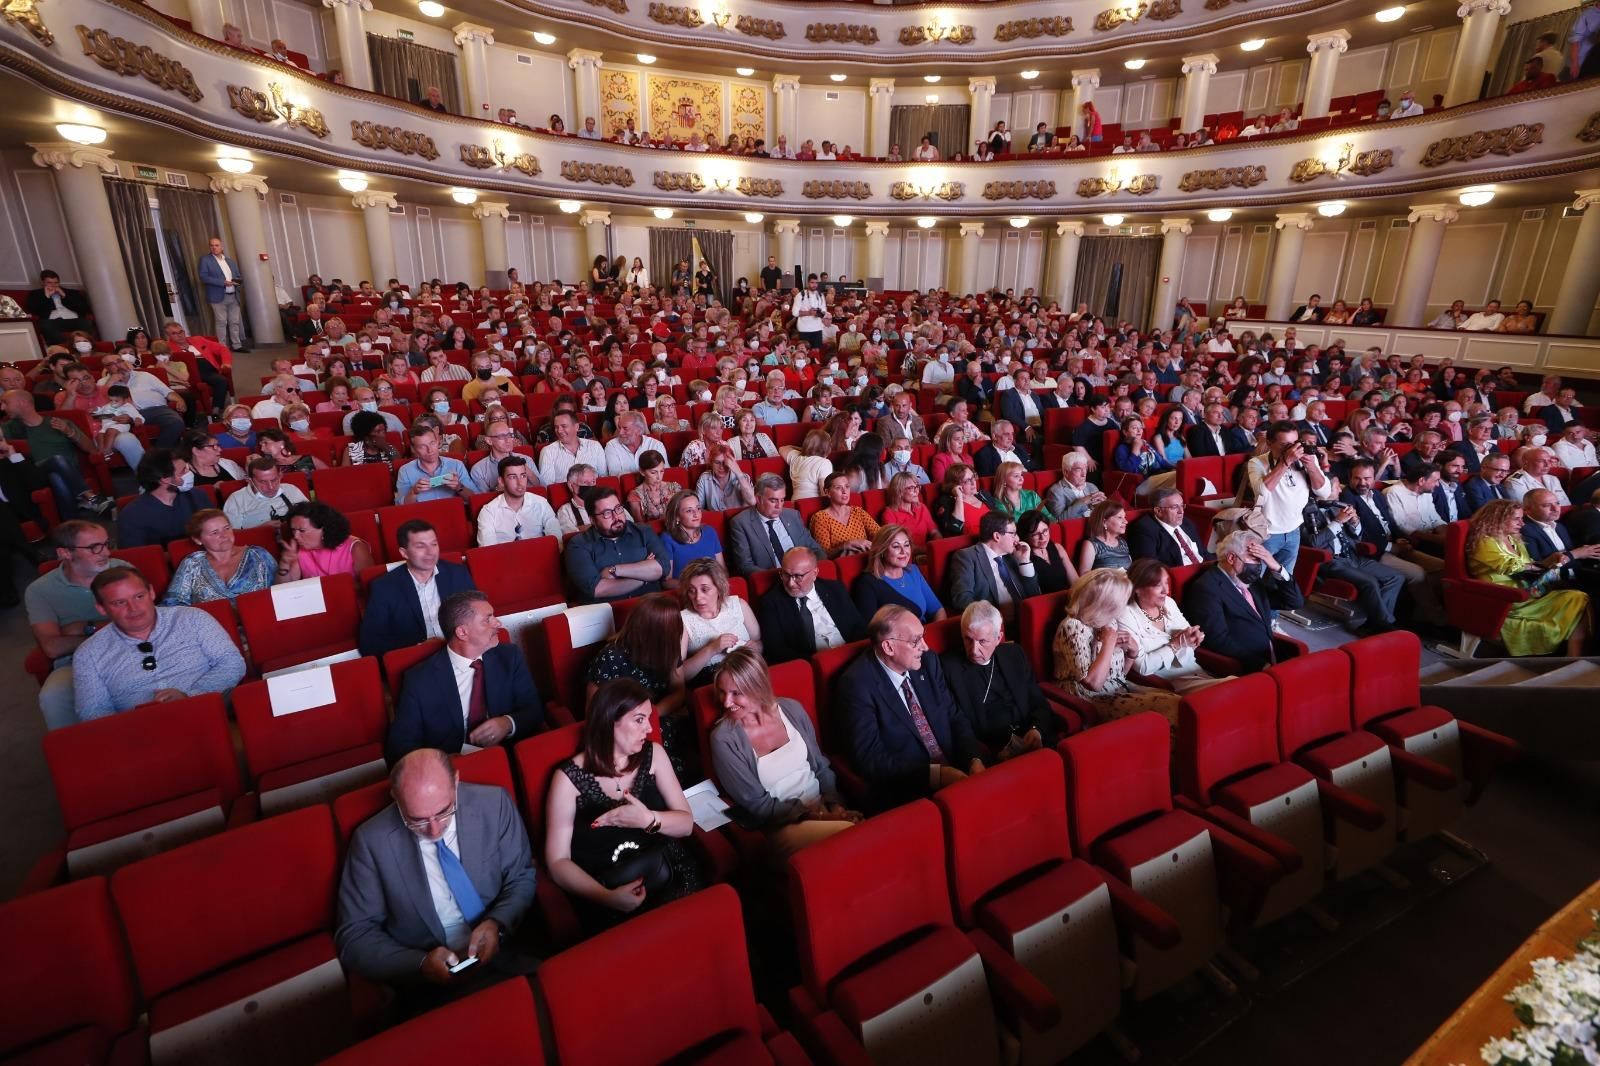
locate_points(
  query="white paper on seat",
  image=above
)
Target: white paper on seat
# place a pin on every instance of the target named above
(303, 1019)
(326, 660)
(388, 567)
(590, 623)
(298, 599)
(468, 748)
(108, 855)
(707, 806)
(300, 690)
(324, 789)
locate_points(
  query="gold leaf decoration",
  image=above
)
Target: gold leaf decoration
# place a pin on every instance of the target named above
(771, 29)
(836, 190)
(121, 56)
(1028, 29)
(1508, 140)
(668, 15)
(597, 173)
(1019, 190)
(769, 187)
(678, 181)
(394, 138)
(909, 190)
(841, 33)
(1224, 178)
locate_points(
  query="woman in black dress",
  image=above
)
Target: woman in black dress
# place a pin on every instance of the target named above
(649, 650)
(616, 818)
(1050, 562)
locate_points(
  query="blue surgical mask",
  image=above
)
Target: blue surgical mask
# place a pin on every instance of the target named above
(369, 405)
(441, 407)
(239, 425)
(300, 425)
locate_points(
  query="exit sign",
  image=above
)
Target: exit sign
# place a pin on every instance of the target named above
(404, 35)
(145, 173)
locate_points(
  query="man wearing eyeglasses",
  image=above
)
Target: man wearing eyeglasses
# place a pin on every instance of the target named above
(283, 391)
(61, 609)
(148, 654)
(439, 877)
(998, 569)
(803, 613)
(614, 558)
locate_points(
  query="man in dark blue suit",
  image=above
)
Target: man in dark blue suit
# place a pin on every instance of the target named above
(1165, 534)
(1551, 544)
(1489, 483)
(475, 690)
(1229, 602)
(906, 738)
(403, 605)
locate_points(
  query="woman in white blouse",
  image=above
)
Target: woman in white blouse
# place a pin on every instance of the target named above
(809, 465)
(714, 623)
(1166, 639)
(638, 276)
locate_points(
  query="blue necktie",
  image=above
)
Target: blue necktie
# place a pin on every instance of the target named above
(455, 875)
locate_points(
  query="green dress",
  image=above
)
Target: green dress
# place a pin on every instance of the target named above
(1537, 626)
(1027, 500)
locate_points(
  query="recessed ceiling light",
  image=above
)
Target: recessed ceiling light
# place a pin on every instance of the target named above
(1219, 214)
(569, 207)
(1020, 222)
(837, 77)
(1029, 75)
(1133, 64)
(80, 133)
(927, 222)
(842, 220)
(663, 213)
(932, 79)
(1476, 196)
(1112, 220)
(645, 57)
(1390, 14)
(754, 217)
(431, 8)
(931, 98)
(350, 181)
(540, 37)
(1331, 209)
(744, 72)
(1253, 45)
(235, 165)
(463, 196)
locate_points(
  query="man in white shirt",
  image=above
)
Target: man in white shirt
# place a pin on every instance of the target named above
(568, 449)
(1535, 463)
(1574, 449)
(266, 500)
(1409, 108)
(631, 442)
(809, 308)
(1411, 502)
(781, 150)
(589, 133)
(284, 391)
(1549, 389)
(1282, 482)
(516, 514)
(1486, 321)
(938, 371)
(442, 369)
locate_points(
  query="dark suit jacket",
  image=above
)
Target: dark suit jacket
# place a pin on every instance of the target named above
(1303, 313)
(977, 394)
(387, 921)
(750, 550)
(1202, 443)
(987, 459)
(1231, 627)
(429, 713)
(1465, 449)
(883, 744)
(54, 329)
(1540, 546)
(972, 578)
(1480, 492)
(1371, 529)
(1316, 428)
(1011, 680)
(1147, 539)
(1583, 523)
(393, 616)
(1441, 504)
(783, 636)
(1555, 420)
(1010, 404)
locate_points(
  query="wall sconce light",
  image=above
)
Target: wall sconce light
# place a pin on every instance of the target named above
(81, 133)
(663, 213)
(755, 218)
(1331, 209)
(932, 79)
(350, 181)
(1029, 75)
(1476, 196)
(927, 222)
(235, 165)
(842, 220)
(744, 72)
(837, 77)
(540, 37)
(569, 207)
(1133, 64)
(431, 8)
(936, 31)
(1112, 220)
(644, 57)
(722, 182)
(1020, 222)
(463, 196)
(1219, 214)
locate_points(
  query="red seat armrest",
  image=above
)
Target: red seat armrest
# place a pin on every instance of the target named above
(50, 870)
(1347, 806)
(1244, 871)
(1424, 772)
(786, 1050)
(1482, 752)
(1016, 988)
(1282, 852)
(718, 852)
(557, 715)
(1218, 665)
(1150, 922)
(832, 1042)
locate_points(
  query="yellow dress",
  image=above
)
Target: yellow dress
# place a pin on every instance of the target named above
(1538, 626)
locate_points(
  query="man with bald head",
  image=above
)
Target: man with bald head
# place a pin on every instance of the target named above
(441, 876)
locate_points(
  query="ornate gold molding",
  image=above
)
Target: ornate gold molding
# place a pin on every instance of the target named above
(836, 190)
(1019, 190)
(841, 33)
(273, 105)
(1224, 178)
(1372, 162)
(619, 6)
(667, 15)
(25, 13)
(678, 181)
(768, 187)
(771, 29)
(1127, 14)
(1138, 185)
(1027, 29)
(915, 35)
(598, 173)
(394, 138)
(1508, 140)
(910, 190)
(121, 56)
(1218, 5)
(476, 156)
(1591, 129)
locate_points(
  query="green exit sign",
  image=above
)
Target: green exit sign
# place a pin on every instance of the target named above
(404, 35)
(145, 173)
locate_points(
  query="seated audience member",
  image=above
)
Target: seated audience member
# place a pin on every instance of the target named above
(1165, 534)
(960, 505)
(650, 649)
(1534, 465)
(430, 475)
(748, 442)
(458, 856)
(904, 508)
(1230, 602)
(148, 654)
(1379, 529)
(895, 679)
(616, 817)
(994, 687)
(1336, 528)
(1166, 640)
(809, 464)
(624, 450)
(1427, 447)
(222, 569)
(1573, 449)
(1052, 566)
(203, 454)
(949, 448)
(1009, 495)
(62, 610)
(161, 512)
(1093, 655)
(804, 614)
(1561, 411)
(841, 528)
(998, 568)
(475, 690)
(501, 440)
(613, 558)
(58, 311)
(723, 486)
(1073, 496)
(1002, 447)
(515, 514)
(403, 604)
(1552, 546)
(367, 404)
(714, 622)
(573, 515)
(53, 448)
(1135, 455)
(319, 544)
(1105, 542)
(1489, 483)
(760, 535)
(1486, 321)
(1553, 620)
(1408, 108)
(1584, 521)
(266, 500)
(686, 537)
(567, 449)
(900, 462)
(891, 577)
(647, 502)
(768, 761)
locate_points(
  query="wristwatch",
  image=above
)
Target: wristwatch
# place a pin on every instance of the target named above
(611, 572)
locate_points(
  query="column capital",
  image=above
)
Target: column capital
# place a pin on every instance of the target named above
(877, 229)
(471, 31)
(592, 216)
(785, 83)
(584, 57)
(58, 155)
(1090, 78)
(881, 86)
(1181, 226)
(981, 85)
(786, 225)
(1587, 198)
(1069, 228)
(373, 198)
(490, 209)
(1483, 7)
(1295, 219)
(1432, 213)
(972, 229)
(225, 183)
(1200, 64)
(1335, 41)
(364, 5)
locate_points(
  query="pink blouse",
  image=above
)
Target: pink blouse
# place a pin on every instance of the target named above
(325, 562)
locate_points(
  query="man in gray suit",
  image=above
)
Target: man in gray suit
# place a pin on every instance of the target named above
(759, 535)
(435, 879)
(989, 569)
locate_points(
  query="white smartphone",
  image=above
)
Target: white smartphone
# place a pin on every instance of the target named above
(470, 960)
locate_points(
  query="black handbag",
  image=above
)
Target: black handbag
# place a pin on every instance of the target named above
(615, 856)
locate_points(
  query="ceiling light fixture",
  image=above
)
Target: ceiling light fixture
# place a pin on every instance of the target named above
(744, 72)
(837, 77)
(569, 207)
(432, 8)
(1112, 220)
(663, 213)
(755, 218)
(540, 37)
(927, 222)
(932, 79)
(1219, 214)
(1390, 14)
(1020, 222)
(1029, 75)
(350, 181)
(81, 133)
(1133, 64)
(463, 196)
(1476, 196)
(1331, 209)
(235, 165)
(645, 57)
(1255, 44)
(842, 220)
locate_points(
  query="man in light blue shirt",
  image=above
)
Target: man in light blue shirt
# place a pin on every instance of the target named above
(1581, 39)
(430, 475)
(772, 411)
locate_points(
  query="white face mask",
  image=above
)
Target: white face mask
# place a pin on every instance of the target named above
(187, 481)
(799, 364)
(83, 346)
(1454, 416)
(1537, 440)
(300, 425)
(239, 425)
(902, 456)
(130, 359)
(365, 346)
(369, 405)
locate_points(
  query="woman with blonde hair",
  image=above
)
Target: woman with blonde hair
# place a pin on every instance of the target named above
(949, 447)
(809, 465)
(714, 622)
(1010, 497)
(1551, 617)
(891, 577)
(1093, 655)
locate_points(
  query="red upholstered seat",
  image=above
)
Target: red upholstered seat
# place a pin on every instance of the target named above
(276, 644)
(496, 1027)
(520, 575)
(356, 488)
(488, 766)
(448, 518)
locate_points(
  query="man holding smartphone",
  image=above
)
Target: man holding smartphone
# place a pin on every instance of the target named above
(430, 475)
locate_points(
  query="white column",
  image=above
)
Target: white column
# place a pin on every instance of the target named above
(971, 237)
(474, 42)
(1325, 49)
(1064, 262)
(1084, 83)
(594, 231)
(1197, 71)
(1416, 270)
(375, 207)
(91, 229)
(788, 231)
(877, 242)
(585, 65)
(207, 17)
(786, 109)
(1480, 25)
(496, 254)
(1580, 285)
(882, 90)
(1292, 226)
(982, 90)
(1174, 239)
(350, 25)
(241, 195)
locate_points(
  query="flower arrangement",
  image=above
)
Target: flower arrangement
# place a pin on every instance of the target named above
(1559, 1010)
